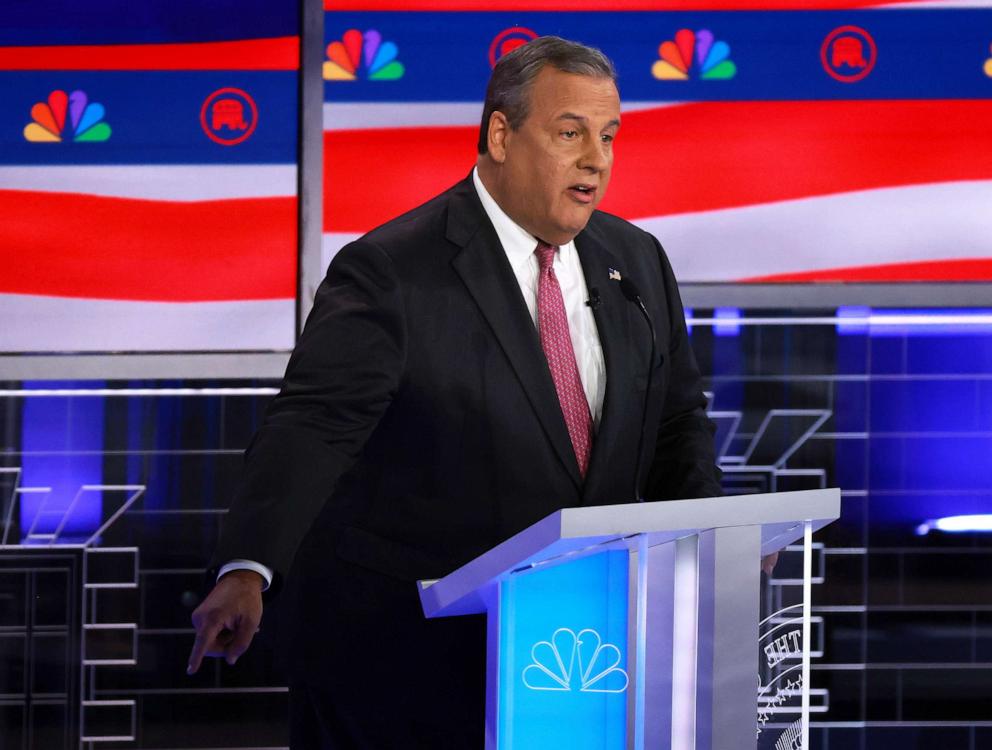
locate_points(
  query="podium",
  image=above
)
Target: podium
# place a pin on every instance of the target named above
(637, 626)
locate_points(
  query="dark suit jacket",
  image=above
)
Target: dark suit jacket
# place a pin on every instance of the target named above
(418, 424)
(417, 427)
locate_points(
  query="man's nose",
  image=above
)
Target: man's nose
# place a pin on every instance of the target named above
(595, 157)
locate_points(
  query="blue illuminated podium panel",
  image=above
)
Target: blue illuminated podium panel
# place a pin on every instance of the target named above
(563, 647)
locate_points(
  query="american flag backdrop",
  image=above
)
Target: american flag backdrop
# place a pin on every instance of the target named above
(149, 151)
(761, 141)
(148, 175)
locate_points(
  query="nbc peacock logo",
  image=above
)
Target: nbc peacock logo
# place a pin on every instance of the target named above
(66, 117)
(575, 661)
(346, 57)
(696, 53)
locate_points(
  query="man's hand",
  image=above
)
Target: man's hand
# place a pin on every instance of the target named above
(228, 618)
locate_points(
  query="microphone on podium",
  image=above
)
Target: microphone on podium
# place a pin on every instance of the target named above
(631, 292)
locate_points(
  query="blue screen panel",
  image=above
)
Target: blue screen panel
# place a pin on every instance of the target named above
(563, 678)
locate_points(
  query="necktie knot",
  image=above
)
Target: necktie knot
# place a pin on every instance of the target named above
(545, 255)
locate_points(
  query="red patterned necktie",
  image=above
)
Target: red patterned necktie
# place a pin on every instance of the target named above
(552, 322)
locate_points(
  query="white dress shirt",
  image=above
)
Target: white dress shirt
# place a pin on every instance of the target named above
(519, 247)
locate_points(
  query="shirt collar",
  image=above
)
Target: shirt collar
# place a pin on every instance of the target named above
(517, 242)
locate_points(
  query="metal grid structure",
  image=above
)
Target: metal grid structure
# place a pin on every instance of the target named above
(905, 621)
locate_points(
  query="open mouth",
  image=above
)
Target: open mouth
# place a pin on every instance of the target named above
(582, 192)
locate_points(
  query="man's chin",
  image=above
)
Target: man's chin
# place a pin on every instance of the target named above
(576, 227)
(565, 231)
(561, 237)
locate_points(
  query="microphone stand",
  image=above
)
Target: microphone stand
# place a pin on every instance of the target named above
(630, 291)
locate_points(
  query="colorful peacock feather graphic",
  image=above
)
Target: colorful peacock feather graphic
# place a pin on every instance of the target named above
(711, 58)
(67, 117)
(345, 58)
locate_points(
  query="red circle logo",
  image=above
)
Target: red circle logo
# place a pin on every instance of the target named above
(848, 54)
(229, 116)
(508, 40)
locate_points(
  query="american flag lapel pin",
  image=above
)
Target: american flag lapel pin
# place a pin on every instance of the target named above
(615, 274)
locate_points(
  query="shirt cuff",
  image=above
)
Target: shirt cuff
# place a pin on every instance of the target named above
(263, 571)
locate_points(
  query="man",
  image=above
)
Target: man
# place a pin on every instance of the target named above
(451, 387)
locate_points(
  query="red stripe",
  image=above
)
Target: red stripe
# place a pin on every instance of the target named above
(971, 269)
(722, 154)
(686, 158)
(280, 53)
(601, 5)
(69, 245)
(371, 176)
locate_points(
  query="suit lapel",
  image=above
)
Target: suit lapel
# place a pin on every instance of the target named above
(485, 271)
(613, 325)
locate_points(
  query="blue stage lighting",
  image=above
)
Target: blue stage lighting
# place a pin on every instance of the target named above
(957, 524)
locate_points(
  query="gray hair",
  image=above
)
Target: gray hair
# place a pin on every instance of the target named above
(510, 83)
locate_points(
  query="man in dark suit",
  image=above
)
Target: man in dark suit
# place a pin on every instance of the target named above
(451, 387)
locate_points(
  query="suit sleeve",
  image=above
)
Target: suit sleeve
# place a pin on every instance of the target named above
(339, 382)
(684, 461)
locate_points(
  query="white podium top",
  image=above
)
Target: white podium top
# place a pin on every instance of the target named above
(571, 532)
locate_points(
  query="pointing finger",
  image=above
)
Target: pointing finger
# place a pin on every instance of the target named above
(206, 641)
(196, 655)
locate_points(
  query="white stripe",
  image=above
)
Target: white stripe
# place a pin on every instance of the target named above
(330, 243)
(157, 182)
(941, 4)
(638, 106)
(358, 116)
(872, 227)
(891, 225)
(53, 324)
(365, 115)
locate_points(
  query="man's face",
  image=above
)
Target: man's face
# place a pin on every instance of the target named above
(556, 166)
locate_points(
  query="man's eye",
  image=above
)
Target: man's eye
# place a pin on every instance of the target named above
(569, 134)
(606, 138)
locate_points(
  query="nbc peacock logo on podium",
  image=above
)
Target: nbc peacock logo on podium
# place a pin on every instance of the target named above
(575, 661)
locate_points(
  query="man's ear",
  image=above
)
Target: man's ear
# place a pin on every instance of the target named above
(499, 128)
